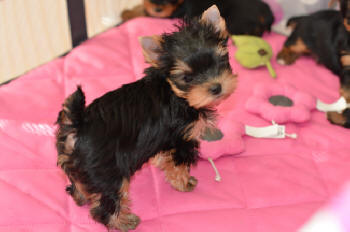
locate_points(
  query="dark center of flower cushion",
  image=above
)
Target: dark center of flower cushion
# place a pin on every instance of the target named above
(212, 134)
(280, 100)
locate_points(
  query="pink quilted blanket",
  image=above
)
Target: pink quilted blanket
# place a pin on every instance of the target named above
(275, 185)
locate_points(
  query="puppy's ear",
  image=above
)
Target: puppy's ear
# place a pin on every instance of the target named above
(151, 48)
(212, 16)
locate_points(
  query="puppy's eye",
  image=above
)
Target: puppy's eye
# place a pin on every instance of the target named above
(188, 78)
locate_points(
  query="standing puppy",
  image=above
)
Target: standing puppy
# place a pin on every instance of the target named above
(325, 36)
(161, 116)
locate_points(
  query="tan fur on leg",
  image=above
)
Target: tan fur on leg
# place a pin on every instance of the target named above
(81, 197)
(178, 176)
(124, 220)
(336, 118)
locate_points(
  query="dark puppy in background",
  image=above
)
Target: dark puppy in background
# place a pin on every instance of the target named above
(321, 35)
(157, 9)
(250, 17)
(325, 36)
(165, 8)
(159, 117)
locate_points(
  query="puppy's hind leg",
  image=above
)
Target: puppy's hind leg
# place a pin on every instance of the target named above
(113, 210)
(78, 197)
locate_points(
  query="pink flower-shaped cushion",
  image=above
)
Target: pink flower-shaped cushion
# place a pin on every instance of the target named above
(231, 142)
(259, 103)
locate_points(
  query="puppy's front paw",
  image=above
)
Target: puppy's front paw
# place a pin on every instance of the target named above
(191, 184)
(287, 57)
(134, 221)
(127, 222)
(184, 184)
(336, 118)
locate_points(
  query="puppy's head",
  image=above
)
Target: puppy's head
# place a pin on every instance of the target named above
(194, 59)
(260, 21)
(161, 8)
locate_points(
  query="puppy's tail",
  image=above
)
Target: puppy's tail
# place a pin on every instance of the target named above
(69, 120)
(73, 110)
(293, 22)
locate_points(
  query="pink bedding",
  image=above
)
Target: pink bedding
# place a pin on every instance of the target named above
(272, 186)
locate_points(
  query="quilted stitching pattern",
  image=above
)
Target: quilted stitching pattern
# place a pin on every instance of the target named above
(274, 186)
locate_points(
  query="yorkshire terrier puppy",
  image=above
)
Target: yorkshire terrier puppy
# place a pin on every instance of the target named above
(251, 17)
(159, 117)
(323, 35)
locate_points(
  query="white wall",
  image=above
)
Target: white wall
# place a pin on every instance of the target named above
(33, 32)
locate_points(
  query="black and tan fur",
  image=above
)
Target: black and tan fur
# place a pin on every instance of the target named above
(159, 117)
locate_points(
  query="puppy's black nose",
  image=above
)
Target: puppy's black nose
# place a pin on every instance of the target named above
(215, 89)
(158, 9)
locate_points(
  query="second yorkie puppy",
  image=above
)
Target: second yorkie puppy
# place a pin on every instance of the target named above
(159, 117)
(251, 17)
(323, 35)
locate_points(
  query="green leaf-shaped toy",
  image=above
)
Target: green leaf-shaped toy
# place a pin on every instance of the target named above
(253, 52)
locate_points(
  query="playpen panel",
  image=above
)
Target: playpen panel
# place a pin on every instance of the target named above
(33, 32)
